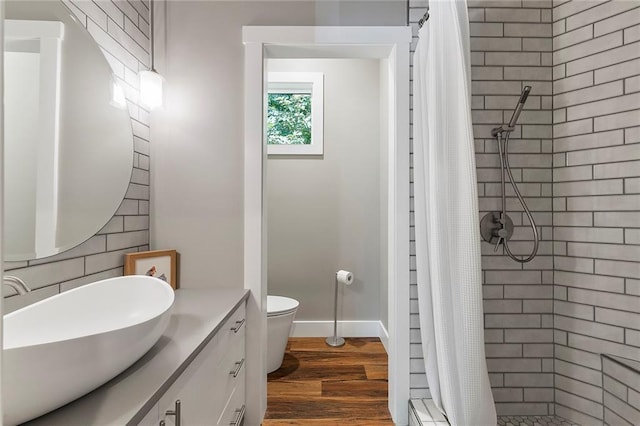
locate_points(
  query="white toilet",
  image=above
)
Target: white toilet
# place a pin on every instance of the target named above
(280, 313)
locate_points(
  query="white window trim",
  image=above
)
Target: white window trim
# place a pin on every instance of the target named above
(314, 83)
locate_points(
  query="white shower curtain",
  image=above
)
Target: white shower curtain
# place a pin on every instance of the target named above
(446, 219)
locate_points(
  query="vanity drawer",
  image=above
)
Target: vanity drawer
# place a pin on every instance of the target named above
(232, 329)
(233, 413)
(230, 371)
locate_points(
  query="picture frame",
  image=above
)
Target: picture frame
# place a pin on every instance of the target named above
(161, 264)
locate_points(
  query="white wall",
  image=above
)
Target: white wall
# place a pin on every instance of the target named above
(197, 153)
(197, 156)
(324, 211)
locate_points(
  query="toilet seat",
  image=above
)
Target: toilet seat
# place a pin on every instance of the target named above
(280, 305)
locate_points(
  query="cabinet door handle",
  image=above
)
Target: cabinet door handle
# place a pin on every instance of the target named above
(162, 423)
(236, 370)
(238, 325)
(238, 417)
(176, 412)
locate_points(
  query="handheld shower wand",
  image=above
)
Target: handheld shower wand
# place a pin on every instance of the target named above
(498, 224)
(516, 113)
(518, 110)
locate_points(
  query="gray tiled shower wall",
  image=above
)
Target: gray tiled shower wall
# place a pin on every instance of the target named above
(621, 386)
(121, 29)
(596, 197)
(547, 323)
(511, 47)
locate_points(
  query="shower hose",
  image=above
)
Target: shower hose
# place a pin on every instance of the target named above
(504, 164)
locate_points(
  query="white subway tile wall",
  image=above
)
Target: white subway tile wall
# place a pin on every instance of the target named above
(121, 29)
(511, 44)
(596, 116)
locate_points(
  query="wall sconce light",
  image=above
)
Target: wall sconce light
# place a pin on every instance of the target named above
(151, 83)
(151, 89)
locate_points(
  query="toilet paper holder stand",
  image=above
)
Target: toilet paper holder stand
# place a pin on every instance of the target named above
(335, 341)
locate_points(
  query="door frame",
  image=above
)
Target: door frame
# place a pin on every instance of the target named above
(394, 42)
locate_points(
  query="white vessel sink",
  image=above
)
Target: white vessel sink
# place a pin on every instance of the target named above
(63, 347)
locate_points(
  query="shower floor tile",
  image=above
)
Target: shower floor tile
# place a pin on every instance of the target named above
(423, 412)
(534, 421)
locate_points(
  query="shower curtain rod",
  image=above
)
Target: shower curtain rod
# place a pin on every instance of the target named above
(424, 19)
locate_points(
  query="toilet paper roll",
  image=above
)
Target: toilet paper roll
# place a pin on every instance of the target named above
(344, 277)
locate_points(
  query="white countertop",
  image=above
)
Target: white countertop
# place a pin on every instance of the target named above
(197, 315)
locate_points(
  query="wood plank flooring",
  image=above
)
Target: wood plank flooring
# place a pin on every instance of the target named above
(318, 385)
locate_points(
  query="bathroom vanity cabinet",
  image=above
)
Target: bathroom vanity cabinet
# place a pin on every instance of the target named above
(211, 389)
(199, 361)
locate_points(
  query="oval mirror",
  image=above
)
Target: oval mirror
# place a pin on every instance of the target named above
(68, 150)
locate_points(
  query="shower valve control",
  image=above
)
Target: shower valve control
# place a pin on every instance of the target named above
(495, 228)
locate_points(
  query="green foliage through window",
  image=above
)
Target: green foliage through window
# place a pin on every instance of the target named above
(289, 119)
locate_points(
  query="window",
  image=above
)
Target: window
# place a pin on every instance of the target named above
(295, 113)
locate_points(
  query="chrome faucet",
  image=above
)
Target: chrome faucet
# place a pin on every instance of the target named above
(16, 283)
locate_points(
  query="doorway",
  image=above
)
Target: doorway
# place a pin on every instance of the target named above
(390, 44)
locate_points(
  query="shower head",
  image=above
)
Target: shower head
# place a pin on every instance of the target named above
(519, 106)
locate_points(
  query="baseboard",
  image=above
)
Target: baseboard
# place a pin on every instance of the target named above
(345, 329)
(384, 336)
